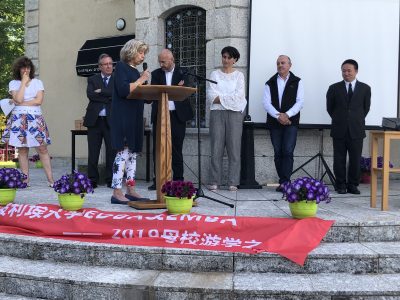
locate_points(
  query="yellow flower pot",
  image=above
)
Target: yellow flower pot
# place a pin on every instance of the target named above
(71, 201)
(7, 164)
(7, 196)
(178, 206)
(303, 209)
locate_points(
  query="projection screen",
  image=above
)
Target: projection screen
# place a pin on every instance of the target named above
(318, 35)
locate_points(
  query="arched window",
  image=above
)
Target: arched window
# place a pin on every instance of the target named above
(185, 36)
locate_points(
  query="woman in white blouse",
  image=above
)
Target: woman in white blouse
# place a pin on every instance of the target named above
(26, 126)
(227, 103)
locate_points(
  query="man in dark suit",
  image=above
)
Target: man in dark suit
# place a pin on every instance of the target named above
(97, 118)
(348, 103)
(180, 111)
(283, 100)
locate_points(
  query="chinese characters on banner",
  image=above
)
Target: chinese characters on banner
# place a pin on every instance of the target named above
(293, 239)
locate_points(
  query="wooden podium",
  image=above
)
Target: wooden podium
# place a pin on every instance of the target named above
(163, 136)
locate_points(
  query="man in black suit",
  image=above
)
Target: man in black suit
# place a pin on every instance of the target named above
(180, 111)
(348, 103)
(97, 118)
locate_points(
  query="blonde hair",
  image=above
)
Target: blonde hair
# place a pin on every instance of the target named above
(131, 48)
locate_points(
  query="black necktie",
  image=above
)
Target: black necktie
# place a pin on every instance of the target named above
(350, 91)
(105, 81)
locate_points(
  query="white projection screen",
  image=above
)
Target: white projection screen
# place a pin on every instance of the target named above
(318, 35)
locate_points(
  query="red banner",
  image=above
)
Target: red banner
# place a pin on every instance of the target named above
(293, 239)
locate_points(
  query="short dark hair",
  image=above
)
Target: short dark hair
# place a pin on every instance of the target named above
(232, 52)
(20, 63)
(351, 62)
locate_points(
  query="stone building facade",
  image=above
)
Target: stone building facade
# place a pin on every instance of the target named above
(49, 24)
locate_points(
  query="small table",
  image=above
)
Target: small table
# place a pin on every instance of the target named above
(387, 137)
(147, 134)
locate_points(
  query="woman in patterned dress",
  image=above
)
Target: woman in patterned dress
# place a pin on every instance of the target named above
(26, 127)
(127, 120)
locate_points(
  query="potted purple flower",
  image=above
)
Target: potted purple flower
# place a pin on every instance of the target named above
(10, 180)
(304, 194)
(365, 166)
(179, 196)
(36, 159)
(71, 189)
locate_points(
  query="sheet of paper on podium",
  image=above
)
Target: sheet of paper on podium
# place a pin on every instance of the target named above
(154, 92)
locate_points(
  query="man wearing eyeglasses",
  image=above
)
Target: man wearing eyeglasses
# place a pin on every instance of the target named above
(97, 119)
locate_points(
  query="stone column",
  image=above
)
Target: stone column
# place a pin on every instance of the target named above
(32, 32)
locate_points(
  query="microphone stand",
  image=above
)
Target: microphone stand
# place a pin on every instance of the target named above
(200, 193)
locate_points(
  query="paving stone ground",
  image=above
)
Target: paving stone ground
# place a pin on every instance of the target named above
(265, 202)
(359, 258)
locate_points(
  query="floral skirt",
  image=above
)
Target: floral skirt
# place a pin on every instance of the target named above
(26, 130)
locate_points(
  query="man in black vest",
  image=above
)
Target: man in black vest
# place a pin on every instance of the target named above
(283, 100)
(179, 111)
(97, 119)
(348, 102)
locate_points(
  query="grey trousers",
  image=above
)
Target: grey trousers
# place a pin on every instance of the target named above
(226, 128)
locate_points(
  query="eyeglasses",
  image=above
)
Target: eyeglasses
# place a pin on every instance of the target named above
(107, 64)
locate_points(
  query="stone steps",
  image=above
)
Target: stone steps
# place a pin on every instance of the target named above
(53, 280)
(14, 297)
(369, 231)
(355, 261)
(352, 258)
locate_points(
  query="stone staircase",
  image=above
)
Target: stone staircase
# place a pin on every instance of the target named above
(357, 261)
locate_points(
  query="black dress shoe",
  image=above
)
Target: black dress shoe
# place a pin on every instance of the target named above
(133, 198)
(116, 201)
(353, 190)
(94, 184)
(341, 191)
(152, 187)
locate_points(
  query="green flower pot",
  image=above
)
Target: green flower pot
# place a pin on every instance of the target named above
(71, 201)
(7, 164)
(38, 164)
(178, 206)
(7, 196)
(303, 209)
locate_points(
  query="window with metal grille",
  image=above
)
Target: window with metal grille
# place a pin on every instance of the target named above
(185, 36)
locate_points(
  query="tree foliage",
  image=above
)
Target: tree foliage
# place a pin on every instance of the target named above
(11, 38)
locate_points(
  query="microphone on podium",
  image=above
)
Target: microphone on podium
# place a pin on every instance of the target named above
(144, 69)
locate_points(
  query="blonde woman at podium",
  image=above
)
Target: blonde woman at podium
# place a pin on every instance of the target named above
(127, 120)
(227, 103)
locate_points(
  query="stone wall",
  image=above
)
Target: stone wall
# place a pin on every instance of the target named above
(32, 32)
(227, 24)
